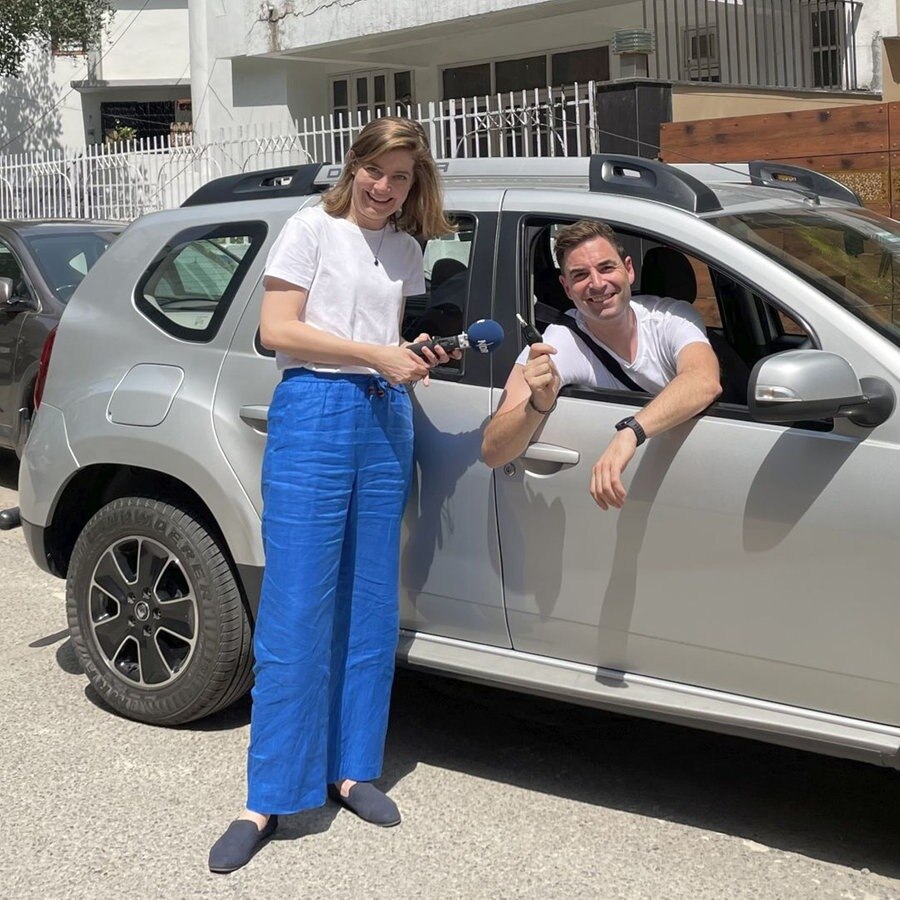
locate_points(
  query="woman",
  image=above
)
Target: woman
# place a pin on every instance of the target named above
(335, 476)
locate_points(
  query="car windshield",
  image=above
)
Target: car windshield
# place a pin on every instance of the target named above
(64, 258)
(850, 254)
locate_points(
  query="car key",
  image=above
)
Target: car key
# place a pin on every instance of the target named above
(531, 334)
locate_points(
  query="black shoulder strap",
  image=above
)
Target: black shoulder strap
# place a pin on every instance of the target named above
(606, 358)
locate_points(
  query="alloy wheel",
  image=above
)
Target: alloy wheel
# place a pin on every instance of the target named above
(143, 612)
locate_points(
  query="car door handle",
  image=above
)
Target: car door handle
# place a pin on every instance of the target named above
(255, 416)
(551, 453)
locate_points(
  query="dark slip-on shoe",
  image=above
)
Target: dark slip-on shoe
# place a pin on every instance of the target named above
(236, 847)
(370, 804)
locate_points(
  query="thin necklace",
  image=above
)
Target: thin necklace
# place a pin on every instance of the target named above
(378, 251)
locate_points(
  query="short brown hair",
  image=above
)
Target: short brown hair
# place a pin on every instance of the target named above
(572, 236)
(423, 212)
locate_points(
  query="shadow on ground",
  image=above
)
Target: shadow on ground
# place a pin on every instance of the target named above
(829, 809)
(833, 810)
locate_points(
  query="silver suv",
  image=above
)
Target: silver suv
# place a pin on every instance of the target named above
(748, 584)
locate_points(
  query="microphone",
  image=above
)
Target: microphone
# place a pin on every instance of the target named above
(483, 336)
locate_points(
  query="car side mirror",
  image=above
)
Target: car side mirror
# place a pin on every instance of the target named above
(799, 385)
(6, 290)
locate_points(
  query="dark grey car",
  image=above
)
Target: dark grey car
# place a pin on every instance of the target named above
(41, 264)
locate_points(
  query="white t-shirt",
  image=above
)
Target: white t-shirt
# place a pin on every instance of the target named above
(665, 327)
(349, 296)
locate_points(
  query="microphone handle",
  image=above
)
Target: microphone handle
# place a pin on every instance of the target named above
(448, 343)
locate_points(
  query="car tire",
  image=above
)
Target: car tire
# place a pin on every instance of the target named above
(156, 614)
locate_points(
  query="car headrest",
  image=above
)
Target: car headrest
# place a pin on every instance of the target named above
(549, 291)
(445, 268)
(667, 273)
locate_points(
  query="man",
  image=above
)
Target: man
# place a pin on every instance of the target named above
(659, 343)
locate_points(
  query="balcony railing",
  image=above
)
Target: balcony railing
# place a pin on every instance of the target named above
(759, 43)
(552, 121)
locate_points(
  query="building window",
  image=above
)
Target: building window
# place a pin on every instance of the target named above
(526, 73)
(150, 118)
(520, 74)
(340, 99)
(580, 66)
(374, 93)
(403, 95)
(467, 81)
(828, 40)
(701, 54)
(64, 47)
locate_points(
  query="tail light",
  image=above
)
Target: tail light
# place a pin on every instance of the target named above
(43, 367)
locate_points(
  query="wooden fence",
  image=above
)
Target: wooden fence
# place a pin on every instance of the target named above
(857, 145)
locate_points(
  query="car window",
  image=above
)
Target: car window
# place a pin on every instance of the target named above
(64, 259)
(742, 327)
(441, 310)
(851, 255)
(10, 267)
(199, 271)
(190, 284)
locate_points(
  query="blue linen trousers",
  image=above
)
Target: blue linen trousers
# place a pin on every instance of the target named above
(336, 474)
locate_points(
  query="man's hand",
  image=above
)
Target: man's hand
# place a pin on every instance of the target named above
(515, 422)
(693, 388)
(541, 376)
(606, 478)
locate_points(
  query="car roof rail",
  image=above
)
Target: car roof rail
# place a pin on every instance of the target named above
(634, 176)
(804, 181)
(514, 169)
(289, 181)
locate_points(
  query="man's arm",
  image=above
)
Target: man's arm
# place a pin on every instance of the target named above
(693, 388)
(529, 394)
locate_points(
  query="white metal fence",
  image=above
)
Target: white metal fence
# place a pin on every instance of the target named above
(123, 181)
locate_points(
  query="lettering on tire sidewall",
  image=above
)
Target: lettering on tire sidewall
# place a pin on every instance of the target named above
(190, 684)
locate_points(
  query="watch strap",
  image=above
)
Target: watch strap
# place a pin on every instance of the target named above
(632, 423)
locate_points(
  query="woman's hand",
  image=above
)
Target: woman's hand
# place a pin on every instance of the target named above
(433, 357)
(399, 365)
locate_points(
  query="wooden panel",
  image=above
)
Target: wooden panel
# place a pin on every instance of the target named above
(894, 125)
(866, 173)
(840, 130)
(895, 186)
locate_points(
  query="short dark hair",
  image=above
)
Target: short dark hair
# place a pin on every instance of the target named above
(572, 236)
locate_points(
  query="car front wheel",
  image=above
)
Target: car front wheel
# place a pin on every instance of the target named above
(156, 614)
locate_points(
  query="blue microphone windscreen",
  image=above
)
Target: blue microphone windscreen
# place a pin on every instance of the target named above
(485, 335)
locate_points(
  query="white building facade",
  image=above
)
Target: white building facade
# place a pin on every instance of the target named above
(256, 63)
(139, 76)
(225, 64)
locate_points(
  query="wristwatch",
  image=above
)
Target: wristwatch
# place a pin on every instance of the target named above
(632, 423)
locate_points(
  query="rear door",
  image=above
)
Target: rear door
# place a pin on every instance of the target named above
(245, 383)
(450, 568)
(755, 559)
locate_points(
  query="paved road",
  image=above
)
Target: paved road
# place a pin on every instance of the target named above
(503, 797)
